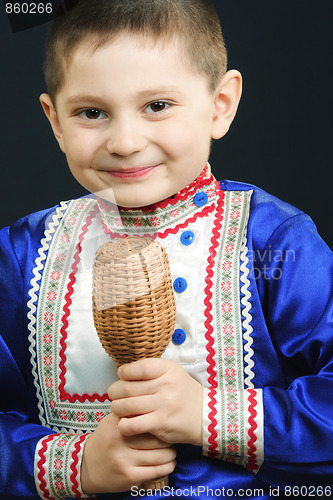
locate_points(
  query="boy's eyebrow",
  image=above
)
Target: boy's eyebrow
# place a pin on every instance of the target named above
(147, 93)
(77, 99)
(159, 90)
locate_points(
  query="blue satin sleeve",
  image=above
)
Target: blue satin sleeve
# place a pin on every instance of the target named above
(296, 290)
(19, 430)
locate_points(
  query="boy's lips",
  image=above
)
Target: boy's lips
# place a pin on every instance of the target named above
(130, 172)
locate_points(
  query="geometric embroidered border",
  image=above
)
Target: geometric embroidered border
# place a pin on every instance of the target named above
(32, 302)
(57, 466)
(229, 327)
(227, 271)
(234, 411)
(61, 415)
(246, 314)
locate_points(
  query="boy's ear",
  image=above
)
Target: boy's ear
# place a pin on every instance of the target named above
(52, 116)
(226, 102)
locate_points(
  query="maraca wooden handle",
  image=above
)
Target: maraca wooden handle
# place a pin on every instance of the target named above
(156, 484)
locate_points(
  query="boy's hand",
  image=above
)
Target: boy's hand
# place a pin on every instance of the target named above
(114, 463)
(161, 398)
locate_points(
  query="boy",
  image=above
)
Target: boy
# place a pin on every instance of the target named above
(239, 405)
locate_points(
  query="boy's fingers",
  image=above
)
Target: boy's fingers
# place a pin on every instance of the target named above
(128, 407)
(154, 457)
(146, 442)
(143, 369)
(148, 473)
(124, 389)
(137, 425)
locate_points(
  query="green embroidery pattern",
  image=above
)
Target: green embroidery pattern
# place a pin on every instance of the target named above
(229, 327)
(58, 461)
(136, 222)
(76, 415)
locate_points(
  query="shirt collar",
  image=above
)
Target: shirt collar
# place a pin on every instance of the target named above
(197, 196)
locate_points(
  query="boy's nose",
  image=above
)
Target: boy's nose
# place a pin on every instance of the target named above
(125, 139)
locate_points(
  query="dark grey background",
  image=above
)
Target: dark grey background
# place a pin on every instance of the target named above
(280, 140)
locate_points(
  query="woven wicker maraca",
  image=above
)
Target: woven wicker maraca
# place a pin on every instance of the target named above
(133, 303)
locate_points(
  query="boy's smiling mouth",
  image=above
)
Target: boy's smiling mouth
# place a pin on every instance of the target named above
(131, 172)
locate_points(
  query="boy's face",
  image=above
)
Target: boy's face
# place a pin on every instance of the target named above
(135, 118)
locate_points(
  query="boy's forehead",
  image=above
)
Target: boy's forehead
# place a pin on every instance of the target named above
(130, 52)
(143, 40)
(94, 44)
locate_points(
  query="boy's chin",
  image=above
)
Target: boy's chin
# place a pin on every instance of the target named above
(108, 195)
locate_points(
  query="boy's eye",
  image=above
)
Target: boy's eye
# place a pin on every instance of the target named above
(92, 114)
(157, 106)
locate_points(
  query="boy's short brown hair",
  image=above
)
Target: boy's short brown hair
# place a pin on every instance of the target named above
(194, 22)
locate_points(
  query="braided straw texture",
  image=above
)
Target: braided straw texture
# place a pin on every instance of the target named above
(133, 301)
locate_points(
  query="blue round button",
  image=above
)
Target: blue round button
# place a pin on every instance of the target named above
(179, 336)
(180, 285)
(187, 237)
(200, 199)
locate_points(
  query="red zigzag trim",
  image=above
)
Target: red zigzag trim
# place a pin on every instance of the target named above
(212, 452)
(73, 476)
(68, 301)
(252, 464)
(41, 463)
